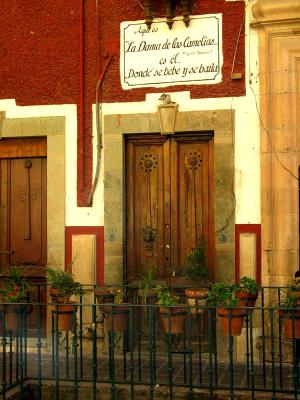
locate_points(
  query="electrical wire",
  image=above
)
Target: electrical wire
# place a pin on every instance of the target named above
(227, 220)
(98, 115)
(270, 139)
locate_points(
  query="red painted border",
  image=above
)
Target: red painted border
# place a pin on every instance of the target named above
(90, 230)
(248, 228)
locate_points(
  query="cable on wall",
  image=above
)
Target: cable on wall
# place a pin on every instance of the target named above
(227, 220)
(98, 115)
(270, 139)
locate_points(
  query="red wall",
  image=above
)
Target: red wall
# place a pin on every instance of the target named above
(41, 61)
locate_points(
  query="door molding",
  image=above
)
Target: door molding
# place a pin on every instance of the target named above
(221, 123)
(53, 128)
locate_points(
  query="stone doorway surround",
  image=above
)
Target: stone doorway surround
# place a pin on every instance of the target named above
(221, 122)
(278, 25)
(54, 129)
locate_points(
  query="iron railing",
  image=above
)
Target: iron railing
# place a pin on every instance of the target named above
(99, 354)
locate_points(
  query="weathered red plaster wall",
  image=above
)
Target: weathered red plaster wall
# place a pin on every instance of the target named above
(40, 58)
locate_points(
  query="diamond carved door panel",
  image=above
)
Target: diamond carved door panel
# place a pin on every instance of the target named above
(169, 183)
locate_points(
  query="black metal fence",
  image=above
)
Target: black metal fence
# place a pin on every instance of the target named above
(130, 344)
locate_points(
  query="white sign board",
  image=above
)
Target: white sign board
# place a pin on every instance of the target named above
(162, 57)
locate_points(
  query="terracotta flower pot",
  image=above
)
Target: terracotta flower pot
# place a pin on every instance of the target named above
(57, 297)
(287, 323)
(173, 318)
(13, 314)
(197, 297)
(104, 296)
(117, 317)
(65, 315)
(233, 317)
(246, 299)
(149, 297)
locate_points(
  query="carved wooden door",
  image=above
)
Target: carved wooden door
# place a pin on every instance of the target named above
(169, 183)
(23, 209)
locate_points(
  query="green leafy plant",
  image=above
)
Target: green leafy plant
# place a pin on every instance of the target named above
(165, 296)
(196, 268)
(247, 285)
(148, 278)
(294, 285)
(147, 285)
(63, 282)
(221, 295)
(288, 301)
(288, 296)
(17, 288)
(119, 296)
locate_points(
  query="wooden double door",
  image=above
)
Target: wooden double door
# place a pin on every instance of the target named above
(169, 202)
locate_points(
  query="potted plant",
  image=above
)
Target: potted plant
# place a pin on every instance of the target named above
(16, 292)
(231, 317)
(246, 292)
(289, 311)
(63, 286)
(294, 287)
(173, 317)
(197, 272)
(105, 295)
(117, 313)
(147, 292)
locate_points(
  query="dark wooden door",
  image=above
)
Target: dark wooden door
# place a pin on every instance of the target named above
(23, 210)
(169, 184)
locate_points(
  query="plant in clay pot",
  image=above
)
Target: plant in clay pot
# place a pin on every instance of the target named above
(232, 317)
(17, 288)
(117, 313)
(105, 295)
(16, 292)
(173, 314)
(294, 287)
(197, 272)
(289, 311)
(147, 292)
(246, 292)
(63, 286)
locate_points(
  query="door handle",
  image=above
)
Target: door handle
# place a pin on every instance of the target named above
(10, 252)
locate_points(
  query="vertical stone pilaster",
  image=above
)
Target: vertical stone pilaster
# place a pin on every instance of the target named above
(278, 24)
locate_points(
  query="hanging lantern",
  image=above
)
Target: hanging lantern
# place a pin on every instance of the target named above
(167, 112)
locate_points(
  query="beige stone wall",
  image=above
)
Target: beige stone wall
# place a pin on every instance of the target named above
(115, 127)
(278, 23)
(54, 129)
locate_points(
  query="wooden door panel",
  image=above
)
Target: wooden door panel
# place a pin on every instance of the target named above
(145, 177)
(193, 197)
(4, 213)
(23, 211)
(28, 200)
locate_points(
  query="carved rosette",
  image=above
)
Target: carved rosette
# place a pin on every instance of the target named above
(148, 162)
(193, 160)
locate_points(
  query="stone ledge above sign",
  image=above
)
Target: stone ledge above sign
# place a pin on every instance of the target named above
(265, 11)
